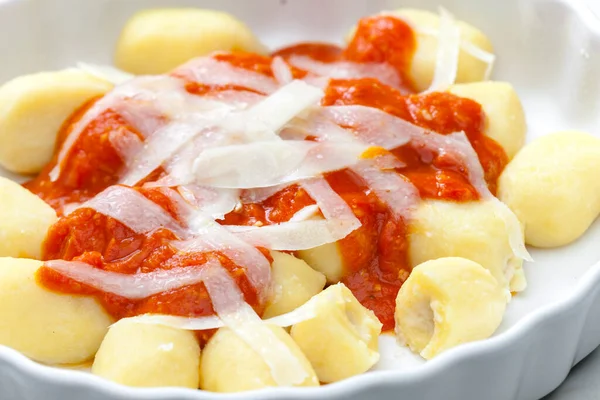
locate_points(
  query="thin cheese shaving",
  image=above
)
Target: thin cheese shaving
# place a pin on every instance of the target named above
(448, 50)
(228, 303)
(272, 163)
(130, 286)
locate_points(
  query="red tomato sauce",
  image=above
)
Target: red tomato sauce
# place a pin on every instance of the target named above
(375, 256)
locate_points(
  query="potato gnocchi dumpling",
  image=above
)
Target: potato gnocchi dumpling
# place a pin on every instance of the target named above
(552, 186)
(32, 110)
(47, 327)
(24, 221)
(229, 364)
(294, 283)
(505, 118)
(156, 41)
(447, 302)
(426, 24)
(146, 355)
(326, 259)
(342, 339)
(473, 230)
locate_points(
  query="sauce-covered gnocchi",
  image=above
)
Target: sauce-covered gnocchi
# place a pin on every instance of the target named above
(221, 216)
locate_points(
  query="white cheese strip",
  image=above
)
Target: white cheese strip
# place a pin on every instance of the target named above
(228, 303)
(281, 71)
(295, 235)
(383, 72)
(258, 195)
(331, 204)
(125, 143)
(401, 196)
(130, 286)
(207, 235)
(448, 50)
(306, 213)
(133, 210)
(214, 202)
(272, 163)
(209, 71)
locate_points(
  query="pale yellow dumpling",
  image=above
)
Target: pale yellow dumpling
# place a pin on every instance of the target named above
(342, 339)
(552, 186)
(426, 24)
(229, 364)
(32, 110)
(147, 355)
(504, 115)
(447, 302)
(24, 221)
(474, 230)
(47, 327)
(156, 41)
(293, 284)
(326, 259)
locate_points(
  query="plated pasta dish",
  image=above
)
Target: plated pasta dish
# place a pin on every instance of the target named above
(214, 214)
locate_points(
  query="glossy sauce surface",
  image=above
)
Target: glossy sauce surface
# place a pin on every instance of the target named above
(375, 256)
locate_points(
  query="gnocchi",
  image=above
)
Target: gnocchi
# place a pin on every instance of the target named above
(538, 185)
(146, 355)
(24, 221)
(474, 231)
(342, 339)
(156, 41)
(294, 283)
(230, 365)
(505, 118)
(48, 327)
(32, 110)
(447, 302)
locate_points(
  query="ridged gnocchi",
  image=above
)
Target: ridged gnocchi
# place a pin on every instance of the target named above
(294, 283)
(473, 230)
(447, 302)
(146, 355)
(342, 339)
(32, 110)
(229, 364)
(156, 41)
(47, 327)
(552, 187)
(24, 221)
(505, 118)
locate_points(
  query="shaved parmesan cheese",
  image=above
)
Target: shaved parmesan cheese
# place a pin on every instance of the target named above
(516, 236)
(281, 71)
(133, 210)
(228, 303)
(214, 202)
(207, 235)
(125, 143)
(271, 163)
(263, 120)
(448, 50)
(400, 195)
(209, 71)
(305, 213)
(106, 72)
(130, 286)
(383, 72)
(480, 54)
(258, 195)
(295, 235)
(331, 204)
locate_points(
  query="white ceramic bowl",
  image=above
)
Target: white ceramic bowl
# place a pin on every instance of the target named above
(549, 49)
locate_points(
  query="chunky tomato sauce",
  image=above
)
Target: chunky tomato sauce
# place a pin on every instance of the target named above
(375, 256)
